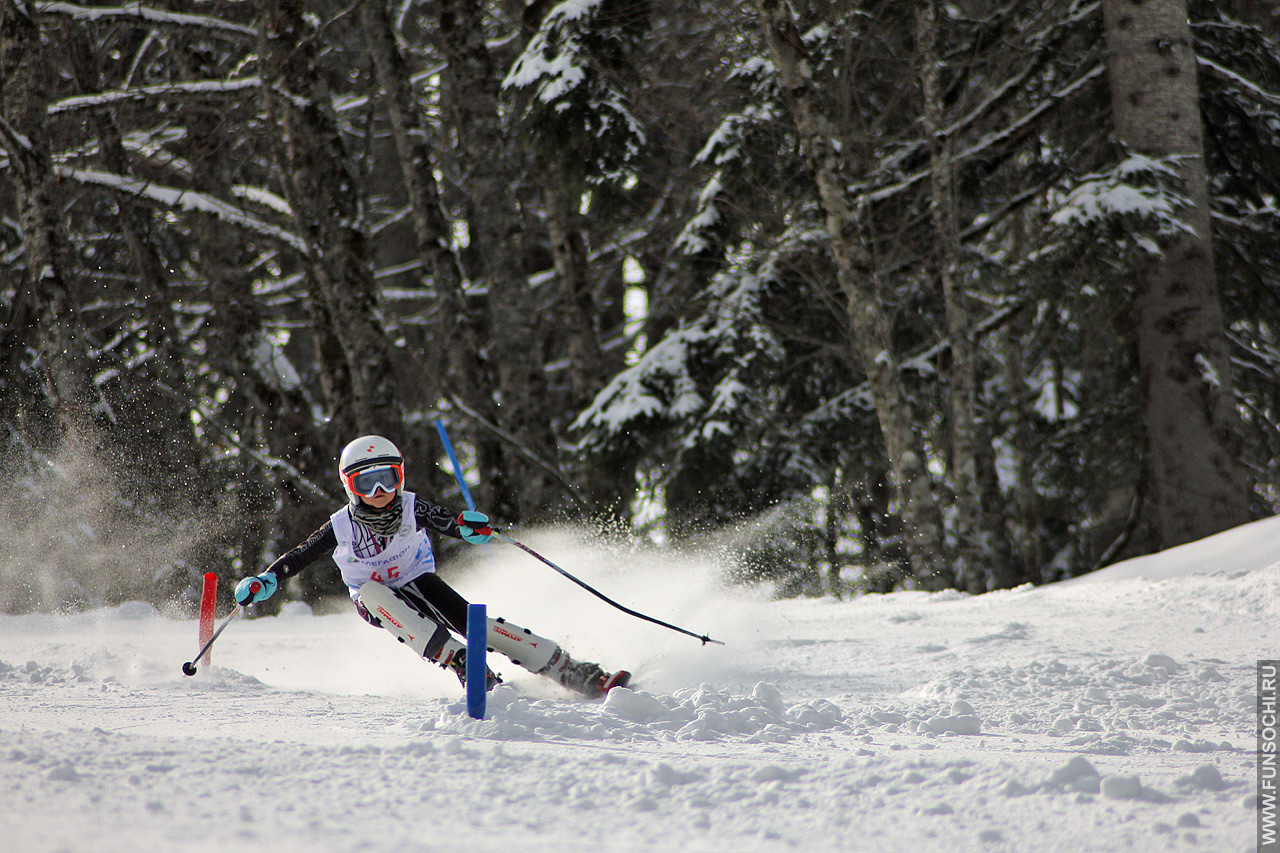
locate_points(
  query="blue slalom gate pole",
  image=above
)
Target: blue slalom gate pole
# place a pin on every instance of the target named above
(453, 460)
(477, 643)
(477, 618)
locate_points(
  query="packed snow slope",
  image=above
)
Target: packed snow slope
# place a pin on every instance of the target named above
(1115, 712)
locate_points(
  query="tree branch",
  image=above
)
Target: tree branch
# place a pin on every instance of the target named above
(145, 15)
(520, 448)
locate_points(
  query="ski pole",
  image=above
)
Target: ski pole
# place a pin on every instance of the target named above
(189, 668)
(598, 594)
(457, 472)
(453, 460)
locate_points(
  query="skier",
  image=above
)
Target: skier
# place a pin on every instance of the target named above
(380, 541)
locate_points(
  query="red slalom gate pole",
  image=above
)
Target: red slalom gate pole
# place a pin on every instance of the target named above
(208, 601)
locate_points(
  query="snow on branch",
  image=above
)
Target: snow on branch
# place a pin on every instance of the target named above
(1081, 10)
(1024, 122)
(692, 239)
(188, 200)
(1009, 88)
(1251, 89)
(569, 95)
(200, 88)
(13, 139)
(154, 17)
(658, 387)
(703, 378)
(1138, 188)
(553, 62)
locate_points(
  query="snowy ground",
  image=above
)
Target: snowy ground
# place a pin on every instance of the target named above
(1114, 712)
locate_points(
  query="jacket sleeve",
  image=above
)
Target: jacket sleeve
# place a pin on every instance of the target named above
(318, 544)
(433, 517)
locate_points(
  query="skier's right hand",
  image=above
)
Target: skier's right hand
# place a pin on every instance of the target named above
(257, 588)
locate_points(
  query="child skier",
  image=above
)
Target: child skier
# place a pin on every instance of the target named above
(380, 542)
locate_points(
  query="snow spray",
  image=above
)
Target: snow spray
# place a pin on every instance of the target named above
(189, 668)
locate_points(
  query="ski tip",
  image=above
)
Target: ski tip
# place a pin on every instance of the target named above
(621, 678)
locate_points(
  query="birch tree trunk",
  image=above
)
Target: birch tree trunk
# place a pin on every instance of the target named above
(868, 315)
(1198, 486)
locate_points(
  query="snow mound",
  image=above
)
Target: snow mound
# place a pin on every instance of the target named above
(1242, 549)
(699, 714)
(1109, 707)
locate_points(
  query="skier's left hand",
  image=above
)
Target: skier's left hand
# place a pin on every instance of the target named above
(474, 527)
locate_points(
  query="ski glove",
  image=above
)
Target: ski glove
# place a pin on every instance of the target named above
(474, 527)
(257, 588)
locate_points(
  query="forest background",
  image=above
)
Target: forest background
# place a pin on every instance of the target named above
(863, 294)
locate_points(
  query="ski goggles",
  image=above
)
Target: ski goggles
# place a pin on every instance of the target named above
(368, 481)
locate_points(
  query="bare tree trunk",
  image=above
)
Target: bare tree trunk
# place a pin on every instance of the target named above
(1198, 486)
(456, 334)
(522, 490)
(325, 196)
(867, 313)
(607, 478)
(578, 306)
(263, 412)
(429, 224)
(160, 421)
(24, 73)
(971, 557)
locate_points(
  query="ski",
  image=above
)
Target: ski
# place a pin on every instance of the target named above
(607, 682)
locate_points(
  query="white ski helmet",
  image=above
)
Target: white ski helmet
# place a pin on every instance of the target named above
(369, 451)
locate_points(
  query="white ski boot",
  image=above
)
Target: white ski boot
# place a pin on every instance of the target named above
(545, 657)
(584, 677)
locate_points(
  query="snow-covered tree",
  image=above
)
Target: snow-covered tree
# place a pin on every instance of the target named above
(629, 271)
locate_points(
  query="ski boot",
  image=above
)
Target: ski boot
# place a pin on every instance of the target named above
(583, 677)
(425, 636)
(457, 664)
(542, 656)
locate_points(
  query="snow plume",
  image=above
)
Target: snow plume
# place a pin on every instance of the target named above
(71, 540)
(685, 588)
